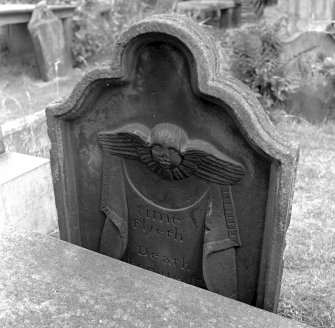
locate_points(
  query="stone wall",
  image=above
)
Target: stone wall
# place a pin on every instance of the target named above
(26, 194)
(27, 135)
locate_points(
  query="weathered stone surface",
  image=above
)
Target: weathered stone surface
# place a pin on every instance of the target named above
(47, 34)
(46, 282)
(27, 135)
(314, 102)
(161, 161)
(26, 196)
(18, 39)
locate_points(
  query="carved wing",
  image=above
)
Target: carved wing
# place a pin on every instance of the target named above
(130, 142)
(206, 162)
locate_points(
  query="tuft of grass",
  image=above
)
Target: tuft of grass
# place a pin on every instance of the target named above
(18, 80)
(308, 286)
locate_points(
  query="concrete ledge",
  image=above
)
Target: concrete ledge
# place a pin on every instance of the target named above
(46, 282)
(18, 13)
(26, 194)
(27, 135)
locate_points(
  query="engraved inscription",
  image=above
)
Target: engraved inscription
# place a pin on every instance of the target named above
(152, 222)
(178, 262)
(162, 231)
(179, 265)
(158, 241)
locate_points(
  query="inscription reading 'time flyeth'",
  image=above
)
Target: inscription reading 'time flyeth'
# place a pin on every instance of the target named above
(152, 222)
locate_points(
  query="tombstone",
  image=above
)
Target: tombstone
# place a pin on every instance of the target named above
(47, 34)
(27, 201)
(160, 161)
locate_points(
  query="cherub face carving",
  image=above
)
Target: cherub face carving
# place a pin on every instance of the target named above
(168, 152)
(167, 141)
(166, 156)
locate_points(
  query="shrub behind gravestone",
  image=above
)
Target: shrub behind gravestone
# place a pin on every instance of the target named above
(256, 62)
(98, 23)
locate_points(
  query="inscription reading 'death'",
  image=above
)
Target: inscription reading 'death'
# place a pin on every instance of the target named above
(178, 263)
(148, 225)
(165, 263)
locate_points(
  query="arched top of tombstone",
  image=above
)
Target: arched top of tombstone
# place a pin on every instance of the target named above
(207, 81)
(163, 83)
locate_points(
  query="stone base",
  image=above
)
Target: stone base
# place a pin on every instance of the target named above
(27, 135)
(26, 194)
(46, 282)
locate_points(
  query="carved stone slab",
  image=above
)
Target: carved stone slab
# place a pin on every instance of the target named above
(161, 162)
(47, 33)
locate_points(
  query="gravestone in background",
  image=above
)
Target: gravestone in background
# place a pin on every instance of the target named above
(47, 34)
(161, 162)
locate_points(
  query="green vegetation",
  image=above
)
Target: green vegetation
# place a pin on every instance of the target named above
(308, 287)
(97, 24)
(19, 77)
(256, 61)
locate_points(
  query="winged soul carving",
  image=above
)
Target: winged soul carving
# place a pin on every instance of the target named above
(167, 151)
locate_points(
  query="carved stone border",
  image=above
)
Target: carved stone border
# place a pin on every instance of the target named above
(207, 82)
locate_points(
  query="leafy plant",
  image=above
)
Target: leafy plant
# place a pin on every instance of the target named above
(256, 62)
(98, 23)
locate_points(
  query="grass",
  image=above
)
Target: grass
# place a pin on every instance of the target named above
(23, 97)
(22, 92)
(308, 287)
